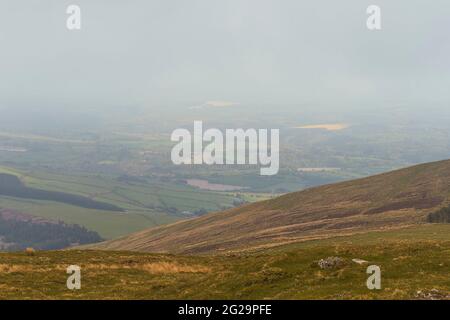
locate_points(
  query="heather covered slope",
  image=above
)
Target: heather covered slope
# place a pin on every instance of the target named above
(387, 201)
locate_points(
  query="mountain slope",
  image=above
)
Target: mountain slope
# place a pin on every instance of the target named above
(390, 200)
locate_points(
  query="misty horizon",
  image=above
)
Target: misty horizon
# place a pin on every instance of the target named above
(154, 54)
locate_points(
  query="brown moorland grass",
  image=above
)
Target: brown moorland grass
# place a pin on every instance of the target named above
(387, 201)
(414, 262)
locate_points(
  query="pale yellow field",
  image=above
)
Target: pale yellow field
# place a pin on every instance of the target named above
(327, 126)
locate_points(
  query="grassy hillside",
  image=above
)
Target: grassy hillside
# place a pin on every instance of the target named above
(386, 201)
(10, 185)
(411, 260)
(147, 202)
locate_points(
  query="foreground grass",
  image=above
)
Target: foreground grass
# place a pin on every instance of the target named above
(411, 260)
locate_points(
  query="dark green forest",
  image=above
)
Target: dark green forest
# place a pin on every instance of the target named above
(19, 234)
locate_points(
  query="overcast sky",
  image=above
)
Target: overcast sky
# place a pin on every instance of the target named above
(243, 51)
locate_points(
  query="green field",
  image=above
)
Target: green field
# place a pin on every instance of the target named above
(411, 260)
(147, 203)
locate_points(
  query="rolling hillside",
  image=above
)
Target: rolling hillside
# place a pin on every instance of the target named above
(387, 201)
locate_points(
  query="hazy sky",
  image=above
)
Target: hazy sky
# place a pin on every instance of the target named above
(244, 51)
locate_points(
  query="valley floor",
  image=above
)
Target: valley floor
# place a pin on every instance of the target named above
(414, 262)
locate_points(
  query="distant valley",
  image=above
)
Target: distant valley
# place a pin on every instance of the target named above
(111, 205)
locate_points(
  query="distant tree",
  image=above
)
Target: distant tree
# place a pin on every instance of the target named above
(200, 212)
(440, 216)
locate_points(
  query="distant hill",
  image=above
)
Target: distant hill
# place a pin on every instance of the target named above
(391, 200)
